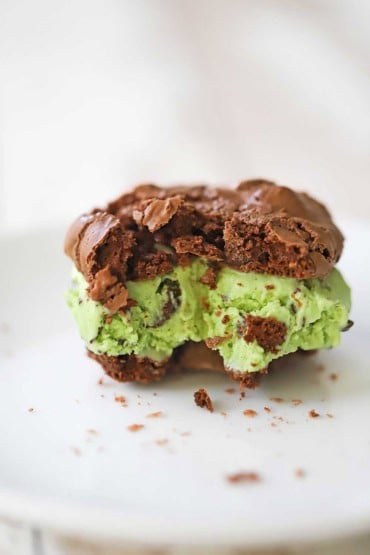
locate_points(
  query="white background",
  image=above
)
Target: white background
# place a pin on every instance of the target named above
(98, 95)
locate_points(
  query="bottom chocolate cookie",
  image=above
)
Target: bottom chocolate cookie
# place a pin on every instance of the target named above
(189, 357)
(130, 368)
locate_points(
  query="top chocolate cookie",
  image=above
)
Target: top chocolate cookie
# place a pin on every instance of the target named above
(257, 227)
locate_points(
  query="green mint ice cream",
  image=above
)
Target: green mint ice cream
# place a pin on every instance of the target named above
(172, 309)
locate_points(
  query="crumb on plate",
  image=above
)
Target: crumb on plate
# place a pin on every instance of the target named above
(135, 427)
(248, 477)
(250, 413)
(203, 400)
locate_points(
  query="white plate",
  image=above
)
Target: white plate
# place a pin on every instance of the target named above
(123, 485)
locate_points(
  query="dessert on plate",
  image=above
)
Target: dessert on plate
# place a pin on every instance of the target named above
(167, 274)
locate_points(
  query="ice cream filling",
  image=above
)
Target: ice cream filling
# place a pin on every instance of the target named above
(249, 318)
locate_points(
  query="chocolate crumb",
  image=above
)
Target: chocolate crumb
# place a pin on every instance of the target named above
(300, 473)
(313, 413)
(135, 427)
(250, 477)
(269, 333)
(230, 390)
(269, 287)
(161, 441)
(205, 304)
(250, 413)
(209, 278)
(203, 400)
(225, 319)
(267, 409)
(295, 299)
(213, 342)
(277, 399)
(155, 414)
(348, 325)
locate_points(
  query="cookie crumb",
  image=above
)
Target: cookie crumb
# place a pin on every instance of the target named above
(267, 409)
(135, 427)
(31, 409)
(209, 278)
(329, 415)
(121, 400)
(299, 473)
(333, 377)
(250, 477)
(203, 400)
(155, 414)
(101, 381)
(230, 390)
(185, 434)
(297, 402)
(313, 413)
(250, 413)
(92, 431)
(224, 413)
(277, 399)
(161, 442)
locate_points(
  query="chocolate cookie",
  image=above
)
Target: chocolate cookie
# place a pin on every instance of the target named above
(258, 227)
